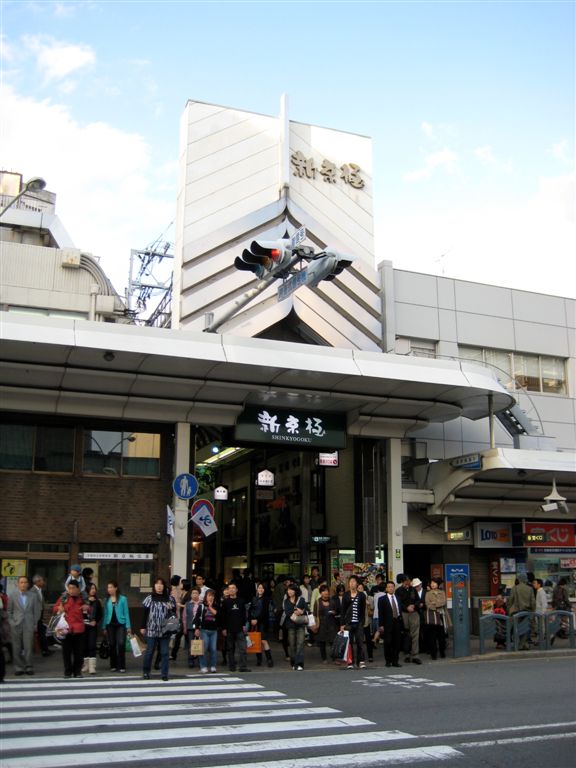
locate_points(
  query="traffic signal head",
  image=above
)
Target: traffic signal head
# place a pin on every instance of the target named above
(326, 266)
(264, 256)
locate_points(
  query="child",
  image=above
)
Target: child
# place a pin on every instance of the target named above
(76, 575)
(500, 626)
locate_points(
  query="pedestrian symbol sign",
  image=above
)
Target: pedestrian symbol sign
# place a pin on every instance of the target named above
(185, 486)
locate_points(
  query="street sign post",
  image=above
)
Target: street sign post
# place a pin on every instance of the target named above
(185, 486)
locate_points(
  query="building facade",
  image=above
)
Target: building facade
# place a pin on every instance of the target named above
(383, 416)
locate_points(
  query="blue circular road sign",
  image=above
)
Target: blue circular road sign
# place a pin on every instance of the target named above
(185, 486)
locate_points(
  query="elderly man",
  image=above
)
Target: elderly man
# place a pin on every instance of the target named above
(23, 615)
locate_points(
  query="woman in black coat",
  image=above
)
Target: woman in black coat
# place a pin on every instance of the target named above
(258, 617)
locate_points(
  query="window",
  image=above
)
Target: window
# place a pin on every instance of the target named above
(36, 448)
(519, 370)
(415, 347)
(121, 454)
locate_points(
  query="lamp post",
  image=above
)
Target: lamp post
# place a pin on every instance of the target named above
(35, 184)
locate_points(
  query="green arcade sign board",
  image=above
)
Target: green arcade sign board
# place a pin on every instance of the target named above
(304, 429)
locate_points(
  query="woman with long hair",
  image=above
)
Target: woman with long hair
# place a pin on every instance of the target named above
(294, 608)
(259, 617)
(158, 606)
(92, 618)
(116, 624)
(324, 613)
(205, 627)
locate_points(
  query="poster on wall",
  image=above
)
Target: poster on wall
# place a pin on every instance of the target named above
(507, 565)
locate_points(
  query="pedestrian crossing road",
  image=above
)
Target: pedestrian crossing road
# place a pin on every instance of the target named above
(205, 721)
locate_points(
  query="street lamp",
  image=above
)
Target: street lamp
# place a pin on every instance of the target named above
(35, 184)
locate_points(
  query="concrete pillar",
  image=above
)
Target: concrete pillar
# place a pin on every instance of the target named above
(180, 547)
(395, 510)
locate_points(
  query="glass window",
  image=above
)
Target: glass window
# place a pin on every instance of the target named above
(54, 450)
(553, 375)
(127, 454)
(16, 446)
(501, 362)
(527, 372)
(476, 354)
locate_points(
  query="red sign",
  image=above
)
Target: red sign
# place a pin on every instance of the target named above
(494, 576)
(202, 504)
(557, 534)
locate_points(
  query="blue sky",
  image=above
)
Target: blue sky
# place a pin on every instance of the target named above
(470, 106)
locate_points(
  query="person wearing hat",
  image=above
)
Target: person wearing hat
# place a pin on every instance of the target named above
(406, 595)
(421, 608)
(76, 575)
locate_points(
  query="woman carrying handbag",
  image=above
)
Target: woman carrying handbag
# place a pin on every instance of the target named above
(258, 616)
(295, 621)
(205, 628)
(116, 624)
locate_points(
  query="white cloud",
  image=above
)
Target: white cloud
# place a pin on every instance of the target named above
(444, 160)
(528, 245)
(560, 151)
(428, 130)
(111, 198)
(487, 157)
(57, 60)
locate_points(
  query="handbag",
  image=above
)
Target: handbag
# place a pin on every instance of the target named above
(340, 646)
(135, 646)
(197, 647)
(254, 642)
(171, 625)
(299, 618)
(104, 649)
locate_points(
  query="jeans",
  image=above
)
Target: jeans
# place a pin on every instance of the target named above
(164, 644)
(209, 638)
(117, 642)
(296, 643)
(236, 640)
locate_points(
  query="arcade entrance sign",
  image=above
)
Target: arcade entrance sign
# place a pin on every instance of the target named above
(305, 429)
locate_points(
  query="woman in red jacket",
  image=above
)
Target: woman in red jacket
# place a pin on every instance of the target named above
(71, 604)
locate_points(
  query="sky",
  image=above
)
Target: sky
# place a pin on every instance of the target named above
(470, 106)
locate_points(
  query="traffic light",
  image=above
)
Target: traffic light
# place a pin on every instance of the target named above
(265, 256)
(326, 266)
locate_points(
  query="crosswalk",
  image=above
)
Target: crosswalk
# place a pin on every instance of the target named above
(209, 721)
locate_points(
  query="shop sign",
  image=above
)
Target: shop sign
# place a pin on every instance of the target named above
(492, 535)
(265, 479)
(495, 576)
(454, 575)
(566, 563)
(117, 556)
(328, 459)
(558, 534)
(458, 536)
(469, 461)
(264, 494)
(221, 493)
(323, 540)
(306, 168)
(291, 427)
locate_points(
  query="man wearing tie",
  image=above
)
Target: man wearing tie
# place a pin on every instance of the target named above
(390, 618)
(23, 616)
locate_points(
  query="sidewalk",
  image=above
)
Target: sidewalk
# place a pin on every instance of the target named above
(51, 666)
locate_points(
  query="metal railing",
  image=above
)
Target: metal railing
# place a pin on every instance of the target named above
(516, 630)
(492, 625)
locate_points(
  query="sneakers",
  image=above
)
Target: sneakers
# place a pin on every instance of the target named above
(121, 670)
(362, 665)
(204, 670)
(299, 668)
(146, 676)
(350, 666)
(212, 669)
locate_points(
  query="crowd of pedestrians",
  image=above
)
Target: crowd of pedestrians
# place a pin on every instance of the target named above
(342, 620)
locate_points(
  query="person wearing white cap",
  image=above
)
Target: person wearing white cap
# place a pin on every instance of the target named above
(406, 594)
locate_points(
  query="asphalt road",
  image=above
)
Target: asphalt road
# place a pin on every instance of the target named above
(514, 712)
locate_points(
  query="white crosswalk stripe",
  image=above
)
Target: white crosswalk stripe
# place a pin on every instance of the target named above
(129, 721)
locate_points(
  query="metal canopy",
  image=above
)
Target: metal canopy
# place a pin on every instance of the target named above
(77, 367)
(511, 483)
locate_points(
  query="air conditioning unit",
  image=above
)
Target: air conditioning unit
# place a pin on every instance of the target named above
(71, 258)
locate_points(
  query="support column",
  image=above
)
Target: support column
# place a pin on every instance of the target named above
(306, 464)
(395, 511)
(180, 547)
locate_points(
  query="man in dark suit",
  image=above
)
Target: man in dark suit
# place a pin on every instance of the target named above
(23, 615)
(391, 626)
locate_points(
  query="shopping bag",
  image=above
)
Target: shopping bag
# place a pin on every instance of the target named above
(135, 646)
(51, 628)
(62, 628)
(197, 647)
(254, 642)
(312, 622)
(340, 646)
